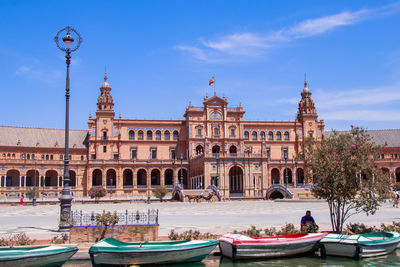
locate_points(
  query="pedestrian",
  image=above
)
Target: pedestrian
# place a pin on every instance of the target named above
(396, 197)
(21, 202)
(307, 220)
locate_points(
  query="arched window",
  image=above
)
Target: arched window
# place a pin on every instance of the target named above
(254, 135)
(131, 135)
(47, 157)
(158, 135)
(149, 135)
(270, 136)
(140, 135)
(28, 156)
(262, 136)
(278, 136)
(175, 135)
(246, 135)
(286, 136)
(166, 135)
(216, 132)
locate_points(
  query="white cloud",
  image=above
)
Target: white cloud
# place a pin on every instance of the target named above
(359, 97)
(255, 44)
(45, 76)
(361, 115)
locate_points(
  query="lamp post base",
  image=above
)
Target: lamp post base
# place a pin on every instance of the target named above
(65, 215)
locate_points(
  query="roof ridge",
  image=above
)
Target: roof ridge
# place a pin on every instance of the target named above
(30, 127)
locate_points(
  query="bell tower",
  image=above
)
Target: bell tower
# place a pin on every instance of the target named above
(307, 115)
(105, 102)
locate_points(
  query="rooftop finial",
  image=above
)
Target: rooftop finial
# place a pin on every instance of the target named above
(305, 80)
(105, 74)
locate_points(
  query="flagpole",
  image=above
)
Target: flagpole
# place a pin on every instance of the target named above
(215, 93)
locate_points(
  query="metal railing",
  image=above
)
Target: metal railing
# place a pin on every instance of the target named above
(79, 218)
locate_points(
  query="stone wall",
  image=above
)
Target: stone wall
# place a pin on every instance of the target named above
(127, 233)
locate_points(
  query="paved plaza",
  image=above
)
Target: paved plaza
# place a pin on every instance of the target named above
(41, 222)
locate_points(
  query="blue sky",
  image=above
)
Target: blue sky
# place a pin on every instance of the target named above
(161, 54)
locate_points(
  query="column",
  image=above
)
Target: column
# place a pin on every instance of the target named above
(40, 180)
(104, 179)
(62, 181)
(1, 181)
(24, 181)
(162, 178)
(58, 181)
(294, 178)
(20, 181)
(76, 180)
(134, 179)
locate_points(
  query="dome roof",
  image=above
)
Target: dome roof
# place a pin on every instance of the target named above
(105, 84)
(305, 89)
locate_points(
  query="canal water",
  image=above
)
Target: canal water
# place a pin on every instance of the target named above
(307, 261)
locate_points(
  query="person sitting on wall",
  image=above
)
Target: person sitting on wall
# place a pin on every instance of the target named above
(306, 221)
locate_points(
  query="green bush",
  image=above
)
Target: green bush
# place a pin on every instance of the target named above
(106, 219)
(29, 193)
(160, 192)
(360, 228)
(97, 193)
(191, 235)
(394, 227)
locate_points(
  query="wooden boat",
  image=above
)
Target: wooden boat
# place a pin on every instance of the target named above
(115, 252)
(360, 246)
(36, 256)
(237, 246)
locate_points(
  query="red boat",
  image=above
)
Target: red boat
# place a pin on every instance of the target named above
(237, 246)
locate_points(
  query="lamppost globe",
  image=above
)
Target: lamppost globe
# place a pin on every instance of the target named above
(68, 46)
(68, 40)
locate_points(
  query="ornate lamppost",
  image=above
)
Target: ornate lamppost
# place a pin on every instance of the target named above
(34, 186)
(68, 45)
(181, 176)
(217, 159)
(173, 169)
(297, 175)
(148, 183)
(285, 156)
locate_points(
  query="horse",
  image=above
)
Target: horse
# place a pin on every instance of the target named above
(191, 197)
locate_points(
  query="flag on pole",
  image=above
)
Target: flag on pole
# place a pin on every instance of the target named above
(211, 81)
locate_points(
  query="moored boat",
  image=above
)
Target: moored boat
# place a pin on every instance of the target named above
(237, 246)
(360, 246)
(36, 256)
(115, 252)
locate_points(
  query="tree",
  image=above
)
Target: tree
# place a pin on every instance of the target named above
(160, 192)
(344, 172)
(30, 193)
(97, 193)
(106, 219)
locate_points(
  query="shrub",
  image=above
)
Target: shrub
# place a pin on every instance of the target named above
(190, 235)
(61, 239)
(5, 241)
(360, 228)
(97, 193)
(310, 228)
(106, 219)
(22, 239)
(29, 193)
(394, 227)
(160, 192)
(252, 232)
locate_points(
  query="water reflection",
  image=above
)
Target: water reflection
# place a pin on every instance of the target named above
(306, 261)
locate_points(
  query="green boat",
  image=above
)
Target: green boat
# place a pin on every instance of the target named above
(360, 246)
(114, 252)
(36, 256)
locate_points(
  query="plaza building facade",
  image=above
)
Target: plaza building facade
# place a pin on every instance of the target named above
(212, 145)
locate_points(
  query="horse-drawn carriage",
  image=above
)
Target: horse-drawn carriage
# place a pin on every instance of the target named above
(211, 194)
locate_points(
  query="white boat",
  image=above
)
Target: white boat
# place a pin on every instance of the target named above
(36, 256)
(360, 246)
(111, 251)
(237, 246)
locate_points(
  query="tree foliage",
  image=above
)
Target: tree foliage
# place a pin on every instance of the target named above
(160, 192)
(30, 193)
(97, 193)
(344, 172)
(106, 219)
